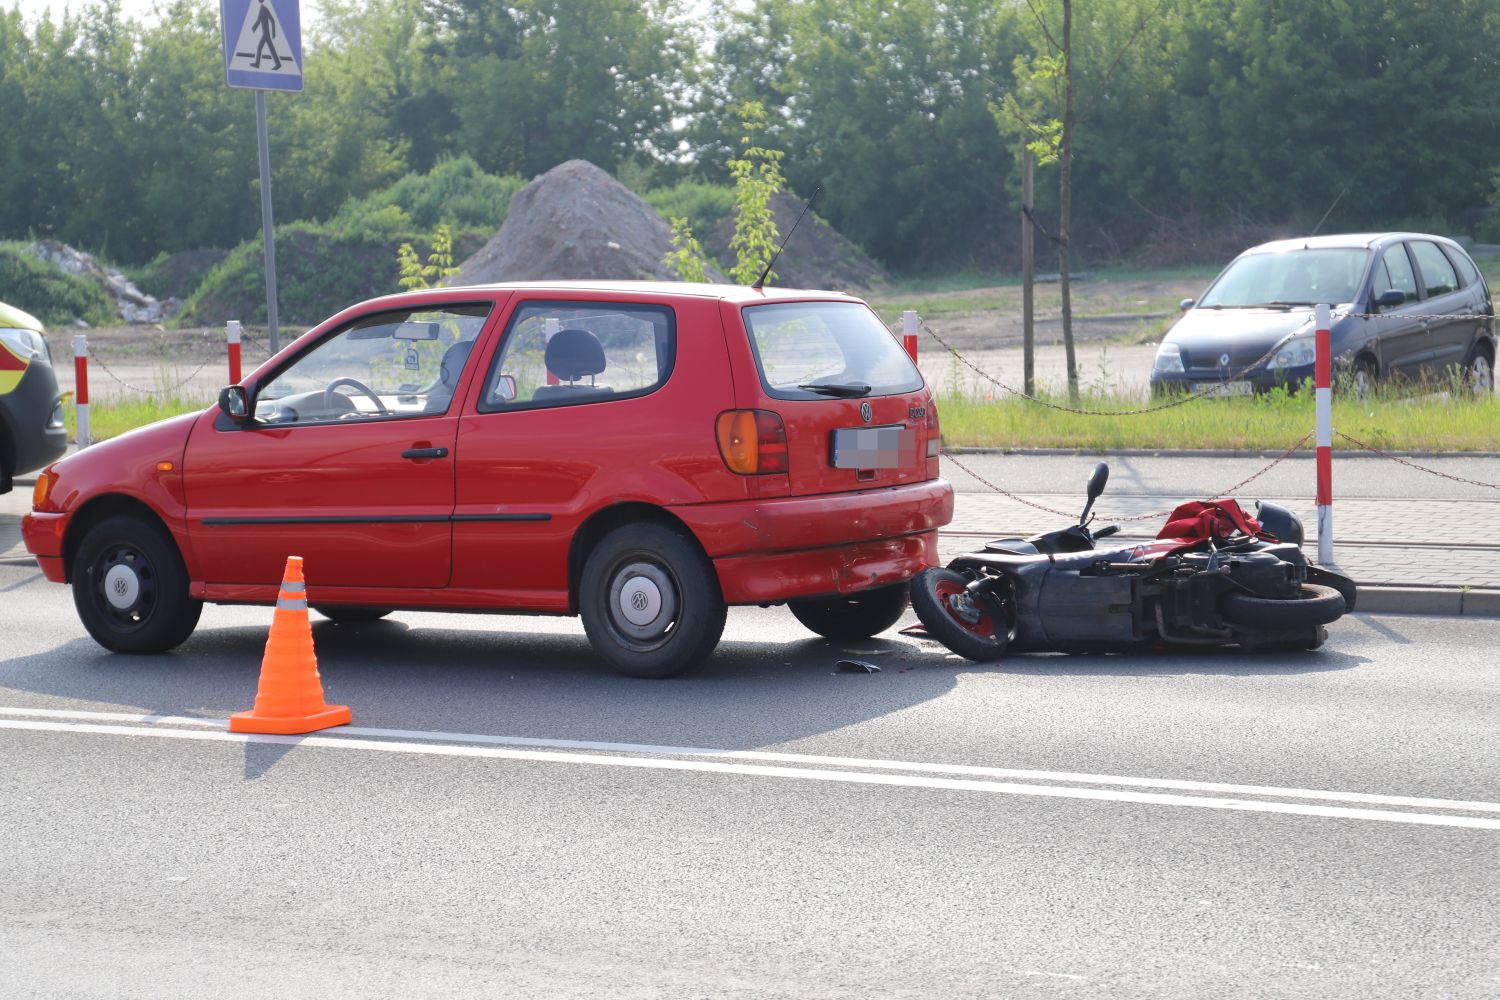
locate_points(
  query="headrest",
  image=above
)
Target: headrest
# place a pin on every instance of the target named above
(572, 354)
(452, 365)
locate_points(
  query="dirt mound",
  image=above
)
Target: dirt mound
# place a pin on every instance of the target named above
(178, 275)
(574, 221)
(816, 256)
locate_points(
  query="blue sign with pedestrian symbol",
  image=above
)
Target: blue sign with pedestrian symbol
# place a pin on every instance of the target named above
(262, 44)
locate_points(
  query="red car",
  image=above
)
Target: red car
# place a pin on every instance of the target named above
(640, 454)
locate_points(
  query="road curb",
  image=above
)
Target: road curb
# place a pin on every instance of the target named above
(1445, 601)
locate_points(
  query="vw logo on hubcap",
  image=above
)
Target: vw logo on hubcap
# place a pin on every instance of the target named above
(121, 587)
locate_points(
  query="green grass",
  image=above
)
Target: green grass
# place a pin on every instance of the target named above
(111, 418)
(1439, 422)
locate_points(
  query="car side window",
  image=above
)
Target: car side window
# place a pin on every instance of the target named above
(386, 366)
(1396, 274)
(558, 353)
(1467, 272)
(1437, 274)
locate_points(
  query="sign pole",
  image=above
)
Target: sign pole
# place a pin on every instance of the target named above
(267, 231)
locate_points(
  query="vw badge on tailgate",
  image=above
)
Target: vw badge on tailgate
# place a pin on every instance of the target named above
(865, 413)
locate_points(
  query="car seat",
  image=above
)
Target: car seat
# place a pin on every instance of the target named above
(571, 355)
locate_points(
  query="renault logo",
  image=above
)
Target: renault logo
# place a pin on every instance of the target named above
(1223, 361)
(865, 413)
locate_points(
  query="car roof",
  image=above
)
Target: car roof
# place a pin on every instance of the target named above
(1363, 241)
(735, 294)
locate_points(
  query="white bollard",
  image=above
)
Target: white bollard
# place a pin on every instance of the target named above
(1323, 380)
(81, 387)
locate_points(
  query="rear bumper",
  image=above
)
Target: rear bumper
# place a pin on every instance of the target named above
(772, 550)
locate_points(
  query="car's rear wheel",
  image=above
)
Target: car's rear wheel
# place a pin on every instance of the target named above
(131, 587)
(1479, 371)
(650, 600)
(857, 616)
(351, 616)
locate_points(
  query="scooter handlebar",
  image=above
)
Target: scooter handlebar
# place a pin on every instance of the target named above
(1107, 530)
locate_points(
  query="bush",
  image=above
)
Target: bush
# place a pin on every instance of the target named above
(455, 192)
(54, 297)
(703, 205)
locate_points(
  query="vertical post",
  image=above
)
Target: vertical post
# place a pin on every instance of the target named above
(1323, 373)
(232, 333)
(1028, 274)
(550, 326)
(265, 217)
(81, 387)
(909, 333)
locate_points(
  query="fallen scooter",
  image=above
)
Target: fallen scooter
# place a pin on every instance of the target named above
(1214, 576)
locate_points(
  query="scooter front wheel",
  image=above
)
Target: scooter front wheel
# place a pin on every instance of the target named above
(976, 629)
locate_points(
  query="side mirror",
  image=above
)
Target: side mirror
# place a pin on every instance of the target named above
(1098, 479)
(1390, 297)
(1187, 304)
(234, 400)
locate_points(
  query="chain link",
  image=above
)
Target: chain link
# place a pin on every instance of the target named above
(1420, 468)
(1170, 404)
(94, 356)
(1230, 491)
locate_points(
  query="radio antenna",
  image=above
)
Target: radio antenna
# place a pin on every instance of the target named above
(760, 282)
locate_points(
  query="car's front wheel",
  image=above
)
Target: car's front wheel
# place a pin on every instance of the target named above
(131, 587)
(1479, 372)
(650, 600)
(857, 616)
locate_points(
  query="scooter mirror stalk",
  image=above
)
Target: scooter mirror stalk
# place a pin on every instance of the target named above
(1098, 479)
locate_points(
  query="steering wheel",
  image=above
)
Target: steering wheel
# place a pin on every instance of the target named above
(353, 383)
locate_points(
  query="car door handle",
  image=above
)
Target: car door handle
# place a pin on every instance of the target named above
(417, 454)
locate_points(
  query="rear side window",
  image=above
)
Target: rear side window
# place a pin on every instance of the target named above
(1437, 274)
(561, 353)
(814, 350)
(1467, 272)
(1395, 273)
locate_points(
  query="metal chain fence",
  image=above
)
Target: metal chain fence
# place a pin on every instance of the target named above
(1413, 465)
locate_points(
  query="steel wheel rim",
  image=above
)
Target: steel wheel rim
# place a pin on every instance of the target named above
(643, 603)
(955, 599)
(1481, 375)
(125, 586)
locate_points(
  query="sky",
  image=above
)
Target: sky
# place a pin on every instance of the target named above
(33, 9)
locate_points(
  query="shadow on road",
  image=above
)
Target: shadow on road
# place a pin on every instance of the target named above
(548, 684)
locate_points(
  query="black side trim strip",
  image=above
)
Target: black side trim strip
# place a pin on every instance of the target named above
(212, 522)
(502, 517)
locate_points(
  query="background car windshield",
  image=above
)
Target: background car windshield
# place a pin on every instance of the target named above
(826, 343)
(399, 356)
(1297, 277)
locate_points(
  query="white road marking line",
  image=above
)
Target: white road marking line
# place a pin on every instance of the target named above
(760, 770)
(968, 770)
(1054, 975)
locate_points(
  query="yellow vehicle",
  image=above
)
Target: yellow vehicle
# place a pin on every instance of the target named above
(31, 411)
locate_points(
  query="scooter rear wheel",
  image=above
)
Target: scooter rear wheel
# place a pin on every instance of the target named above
(977, 630)
(1315, 605)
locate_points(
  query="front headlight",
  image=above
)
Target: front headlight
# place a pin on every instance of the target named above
(1168, 358)
(30, 345)
(1295, 353)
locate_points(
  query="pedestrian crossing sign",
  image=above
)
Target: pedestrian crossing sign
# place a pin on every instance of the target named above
(262, 44)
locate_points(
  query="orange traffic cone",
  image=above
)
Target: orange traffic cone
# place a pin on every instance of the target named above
(290, 698)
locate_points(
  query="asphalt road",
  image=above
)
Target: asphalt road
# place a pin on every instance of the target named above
(766, 827)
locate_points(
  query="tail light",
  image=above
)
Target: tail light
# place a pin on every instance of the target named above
(934, 432)
(752, 442)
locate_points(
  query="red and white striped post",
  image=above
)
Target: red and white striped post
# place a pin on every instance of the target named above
(81, 387)
(232, 334)
(1323, 375)
(909, 333)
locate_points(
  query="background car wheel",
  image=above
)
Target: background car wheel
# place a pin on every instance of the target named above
(977, 631)
(857, 616)
(650, 601)
(1479, 371)
(131, 588)
(1316, 605)
(1363, 377)
(352, 616)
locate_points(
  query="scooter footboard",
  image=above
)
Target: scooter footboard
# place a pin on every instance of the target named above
(1089, 609)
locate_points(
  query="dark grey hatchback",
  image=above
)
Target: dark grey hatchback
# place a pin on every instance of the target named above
(1403, 305)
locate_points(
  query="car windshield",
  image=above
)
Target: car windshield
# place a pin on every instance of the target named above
(817, 350)
(1293, 278)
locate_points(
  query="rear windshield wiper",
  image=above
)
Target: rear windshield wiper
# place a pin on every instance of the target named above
(836, 389)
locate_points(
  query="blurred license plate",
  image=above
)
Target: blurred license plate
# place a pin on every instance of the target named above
(1223, 388)
(870, 447)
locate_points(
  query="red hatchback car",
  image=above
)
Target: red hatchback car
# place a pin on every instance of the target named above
(640, 454)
